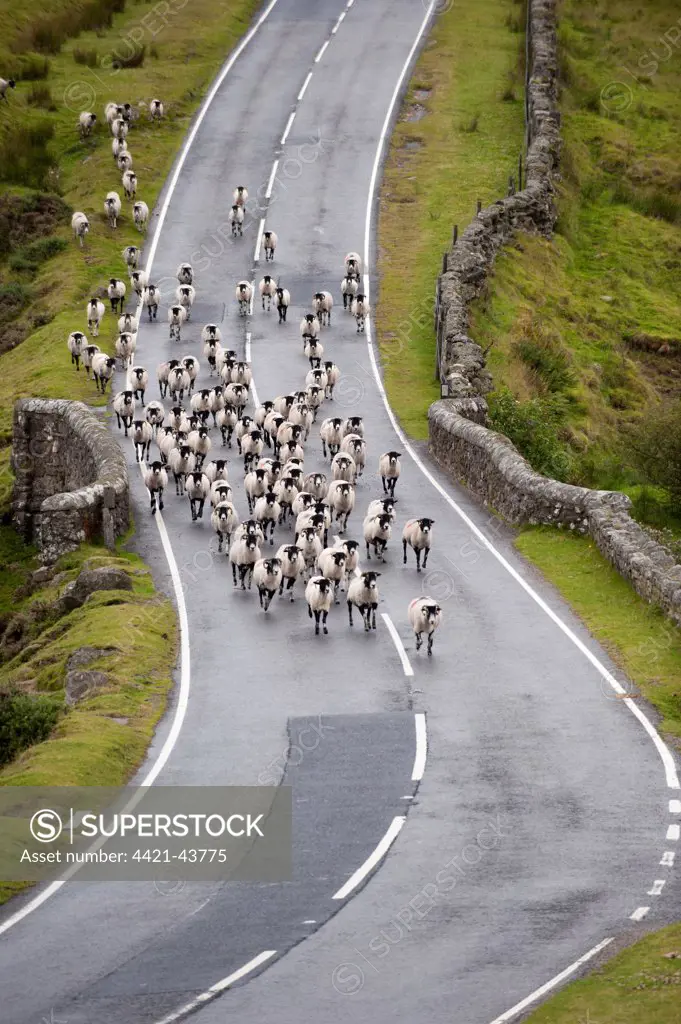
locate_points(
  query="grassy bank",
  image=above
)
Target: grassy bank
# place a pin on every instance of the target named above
(458, 139)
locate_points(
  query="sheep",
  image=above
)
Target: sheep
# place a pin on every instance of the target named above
(331, 433)
(240, 195)
(322, 303)
(417, 535)
(140, 215)
(86, 122)
(124, 407)
(383, 506)
(315, 397)
(127, 114)
(309, 545)
(176, 317)
(283, 302)
(150, 300)
(425, 616)
(118, 146)
(292, 469)
(319, 595)
(343, 467)
(236, 219)
(211, 349)
(267, 512)
(301, 415)
(127, 323)
(331, 564)
(291, 450)
(243, 554)
(291, 561)
(251, 448)
(316, 484)
(163, 373)
(224, 520)
(377, 533)
(220, 490)
(129, 182)
(200, 404)
(181, 461)
(155, 413)
(389, 469)
(287, 433)
(309, 328)
(89, 353)
(155, 110)
(256, 484)
(267, 577)
(273, 469)
(197, 486)
(185, 273)
(185, 294)
(249, 528)
(240, 372)
(315, 517)
(142, 436)
(112, 111)
(217, 471)
(80, 226)
(178, 383)
(262, 412)
(139, 279)
(225, 420)
(269, 241)
(354, 445)
(286, 490)
(268, 290)
(216, 401)
(116, 292)
(244, 295)
(341, 498)
(119, 128)
(76, 342)
(94, 312)
(200, 444)
(349, 288)
(354, 425)
(124, 160)
(191, 365)
(177, 419)
(360, 310)
(351, 548)
(126, 344)
(363, 593)
(155, 481)
(317, 377)
(303, 500)
(353, 265)
(314, 350)
(332, 377)
(166, 441)
(237, 396)
(103, 367)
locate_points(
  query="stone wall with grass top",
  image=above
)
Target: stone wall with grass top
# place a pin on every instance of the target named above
(71, 480)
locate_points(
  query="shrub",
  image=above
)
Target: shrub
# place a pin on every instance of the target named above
(24, 720)
(25, 158)
(30, 67)
(31, 256)
(656, 450)
(548, 360)
(88, 57)
(41, 96)
(133, 60)
(13, 298)
(533, 428)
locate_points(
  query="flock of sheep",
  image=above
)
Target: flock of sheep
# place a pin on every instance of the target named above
(271, 441)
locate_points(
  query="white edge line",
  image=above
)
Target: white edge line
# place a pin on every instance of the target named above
(270, 184)
(668, 858)
(675, 806)
(373, 859)
(406, 665)
(321, 52)
(673, 832)
(421, 747)
(256, 254)
(254, 393)
(250, 305)
(219, 987)
(639, 914)
(287, 129)
(670, 769)
(183, 697)
(515, 1010)
(305, 85)
(657, 887)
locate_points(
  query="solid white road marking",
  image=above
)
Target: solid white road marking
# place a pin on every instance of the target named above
(287, 129)
(639, 914)
(421, 747)
(519, 1007)
(321, 52)
(674, 832)
(250, 305)
(668, 859)
(305, 85)
(270, 184)
(218, 988)
(373, 859)
(406, 666)
(671, 773)
(256, 255)
(658, 886)
(254, 393)
(675, 806)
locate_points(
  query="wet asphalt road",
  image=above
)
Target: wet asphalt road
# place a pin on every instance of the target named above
(541, 818)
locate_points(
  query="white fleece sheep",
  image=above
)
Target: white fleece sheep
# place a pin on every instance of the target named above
(116, 291)
(244, 294)
(353, 264)
(185, 273)
(124, 160)
(310, 546)
(155, 413)
(425, 616)
(217, 471)
(103, 367)
(156, 110)
(226, 420)
(349, 288)
(314, 350)
(360, 310)
(129, 182)
(94, 312)
(354, 425)
(139, 279)
(237, 396)
(315, 397)
(389, 469)
(127, 323)
(351, 548)
(283, 302)
(176, 317)
(89, 353)
(162, 374)
(224, 520)
(267, 512)
(126, 345)
(140, 214)
(5, 84)
(331, 564)
(381, 506)
(236, 219)
(268, 290)
(200, 443)
(112, 111)
(200, 404)
(150, 300)
(220, 490)
(251, 447)
(377, 532)
(343, 467)
(269, 242)
(76, 342)
(356, 446)
(243, 554)
(286, 490)
(118, 146)
(319, 596)
(142, 436)
(178, 383)
(417, 535)
(363, 594)
(291, 564)
(80, 226)
(309, 328)
(331, 433)
(341, 498)
(301, 415)
(333, 373)
(119, 128)
(322, 304)
(240, 195)
(155, 481)
(197, 486)
(181, 461)
(86, 122)
(317, 377)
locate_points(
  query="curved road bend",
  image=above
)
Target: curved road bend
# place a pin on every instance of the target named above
(539, 824)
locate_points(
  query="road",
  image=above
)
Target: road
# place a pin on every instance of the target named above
(540, 821)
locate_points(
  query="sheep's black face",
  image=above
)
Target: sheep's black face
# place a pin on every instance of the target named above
(371, 579)
(425, 524)
(308, 534)
(185, 451)
(157, 466)
(324, 584)
(340, 558)
(384, 521)
(272, 565)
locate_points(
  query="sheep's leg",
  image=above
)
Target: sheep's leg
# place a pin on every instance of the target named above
(350, 611)
(153, 502)
(385, 489)
(430, 642)
(425, 556)
(202, 502)
(249, 571)
(324, 617)
(418, 559)
(368, 553)
(260, 596)
(234, 573)
(366, 615)
(404, 549)
(419, 641)
(316, 623)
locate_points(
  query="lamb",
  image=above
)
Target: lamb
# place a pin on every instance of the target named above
(363, 593)
(322, 303)
(126, 344)
(425, 616)
(76, 342)
(127, 323)
(268, 290)
(150, 300)
(331, 433)
(268, 578)
(225, 420)
(140, 215)
(89, 353)
(341, 498)
(243, 554)
(200, 444)
(240, 195)
(309, 328)
(354, 425)
(383, 506)
(119, 128)
(181, 461)
(417, 534)
(86, 122)
(360, 310)
(139, 279)
(5, 84)
(267, 512)
(124, 407)
(377, 533)
(197, 486)
(129, 182)
(116, 292)
(142, 436)
(236, 219)
(244, 295)
(354, 445)
(251, 448)
(291, 562)
(353, 265)
(103, 367)
(331, 564)
(185, 273)
(309, 545)
(349, 288)
(94, 311)
(155, 413)
(343, 467)
(176, 317)
(319, 595)
(283, 302)
(269, 241)
(124, 160)
(220, 491)
(224, 520)
(178, 383)
(155, 110)
(155, 481)
(389, 469)
(80, 225)
(200, 404)
(217, 471)
(332, 377)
